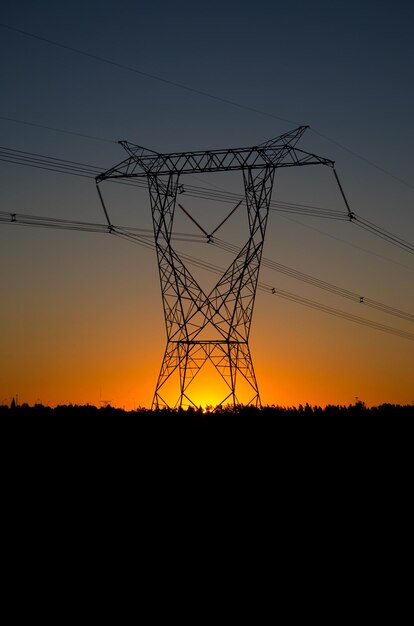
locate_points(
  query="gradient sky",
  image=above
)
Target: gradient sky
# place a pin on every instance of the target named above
(81, 317)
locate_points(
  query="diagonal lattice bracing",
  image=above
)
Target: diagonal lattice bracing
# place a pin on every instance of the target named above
(210, 329)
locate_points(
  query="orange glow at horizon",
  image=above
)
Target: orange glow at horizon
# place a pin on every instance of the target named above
(82, 347)
(285, 381)
(88, 328)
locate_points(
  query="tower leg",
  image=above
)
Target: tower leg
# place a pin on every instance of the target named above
(193, 318)
(182, 363)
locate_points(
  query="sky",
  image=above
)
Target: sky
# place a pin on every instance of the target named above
(81, 317)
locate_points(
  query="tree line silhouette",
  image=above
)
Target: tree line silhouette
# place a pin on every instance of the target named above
(266, 414)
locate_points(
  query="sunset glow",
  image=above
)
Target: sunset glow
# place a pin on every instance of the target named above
(82, 317)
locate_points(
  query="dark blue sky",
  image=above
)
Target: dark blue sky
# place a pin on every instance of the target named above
(343, 67)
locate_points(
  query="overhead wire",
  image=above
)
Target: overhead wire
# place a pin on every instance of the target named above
(348, 243)
(56, 130)
(320, 284)
(59, 223)
(90, 171)
(76, 168)
(336, 312)
(135, 70)
(144, 238)
(362, 158)
(383, 234)
(194, 90)
(269, 289)
(24, 219)
(33, 159)
(82, 169)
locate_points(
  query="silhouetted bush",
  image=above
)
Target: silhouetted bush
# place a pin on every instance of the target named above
(240, 414)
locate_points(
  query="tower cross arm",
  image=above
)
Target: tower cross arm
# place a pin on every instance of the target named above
(128, 168)
(278, 152)
(295, 156)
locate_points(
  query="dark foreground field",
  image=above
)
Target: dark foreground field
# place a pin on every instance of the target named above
(304, 448)
(284, 431)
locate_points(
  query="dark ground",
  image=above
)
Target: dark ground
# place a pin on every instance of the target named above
(304, 466)
(281, 432)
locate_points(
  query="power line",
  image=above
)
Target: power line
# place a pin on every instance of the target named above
(199, 92)
(20, 157)
(76, 168)
(348, 243)
(144, 237)
(269, 289)
(57, 130)
(64, 166)
(337, 312)
(383, 234)
(33, 159)
(9, 155)
(23, 219)
(134, 70)
(362, 158)
(321, 284)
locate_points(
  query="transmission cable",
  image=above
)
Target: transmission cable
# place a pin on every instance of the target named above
(63, 166)
(143, 239)
(198, 92)
(269, 289)
(76, 168)
(134, 70)
(23, 219)
(320, 284)
(56, 130)
(348, 243)
(383, 234)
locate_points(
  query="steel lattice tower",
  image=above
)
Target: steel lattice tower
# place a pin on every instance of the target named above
(215, 326)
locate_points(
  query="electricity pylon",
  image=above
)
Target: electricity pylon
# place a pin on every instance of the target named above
(215, 326)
